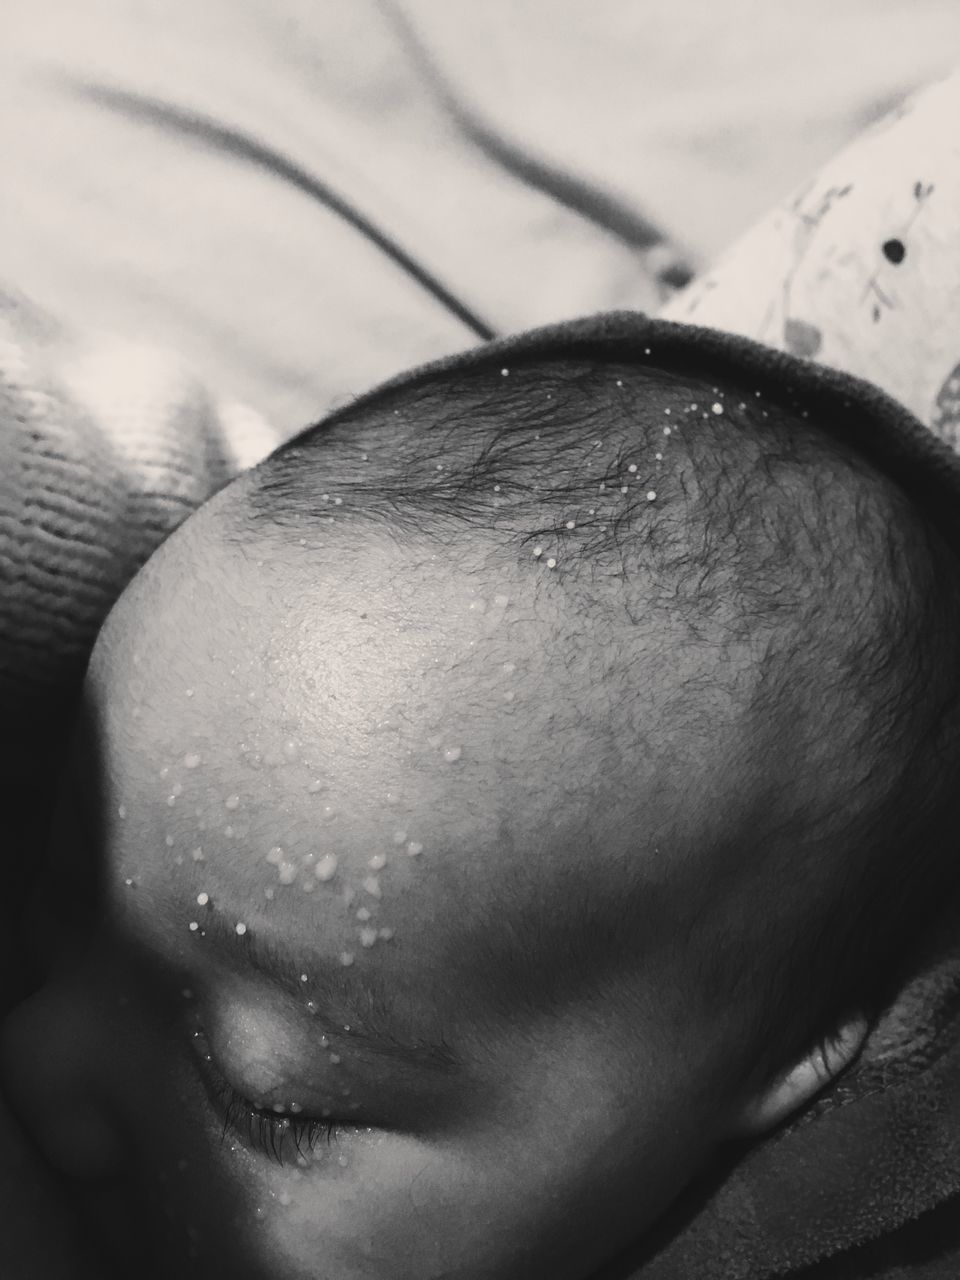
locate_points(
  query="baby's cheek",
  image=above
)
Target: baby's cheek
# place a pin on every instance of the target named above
(371, 1205)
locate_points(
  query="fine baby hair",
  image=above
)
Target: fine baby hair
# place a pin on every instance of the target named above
(677, 500)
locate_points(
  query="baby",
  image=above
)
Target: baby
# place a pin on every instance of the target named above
(504, 802)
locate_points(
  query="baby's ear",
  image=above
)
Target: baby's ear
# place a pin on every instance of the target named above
(789, 1090)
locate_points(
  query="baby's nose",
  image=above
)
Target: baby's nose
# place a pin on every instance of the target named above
(51, 1071)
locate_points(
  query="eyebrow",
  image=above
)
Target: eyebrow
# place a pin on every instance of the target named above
(365, 1010)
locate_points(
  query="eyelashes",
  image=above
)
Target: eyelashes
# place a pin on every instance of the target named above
(275, 1134)
(268, 1132)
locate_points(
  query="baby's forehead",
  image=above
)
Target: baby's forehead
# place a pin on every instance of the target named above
(338, 756)
(415, 650)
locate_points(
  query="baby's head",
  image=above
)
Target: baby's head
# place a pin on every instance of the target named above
(506, 796)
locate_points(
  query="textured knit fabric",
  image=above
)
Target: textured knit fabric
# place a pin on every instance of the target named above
(104, 449)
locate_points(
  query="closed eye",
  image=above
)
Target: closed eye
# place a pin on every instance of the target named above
(279, 1131)
(275, 1134)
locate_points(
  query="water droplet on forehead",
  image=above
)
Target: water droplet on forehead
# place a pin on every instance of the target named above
(386, 933)
(231, 802)
(314, 786)
(477, 605)
(537, 551)
(368, 936)
(197, 854)
(509, 695)
(121, 811)
(168, 841)
(268, 894)
(363, 914)
(658, 456)
(651, 495)
(372, 885)
(202, 899)
(326, 867)
(193, 926)
(290, 749)
(241, 929)
(377, 862)
(399, 836)
(191, 760)
(414, 847)
(346, 958)
(717, 407)
(388, 725)
(452, 754)
(328, 811)
(287, 872)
